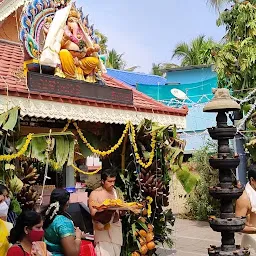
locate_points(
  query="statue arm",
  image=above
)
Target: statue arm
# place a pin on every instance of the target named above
(91, 50)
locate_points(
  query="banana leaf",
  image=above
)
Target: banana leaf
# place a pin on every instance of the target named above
(12, 119)
(20, 143)
(3, 118)
(174, 130)
(71, 151)
(63, 149)
(177, 152)
(143, 225)
(60, 148)
(145, 124)
(8, 119)
(158, 128)
(187, 178)
(38, 147)
(134, 230)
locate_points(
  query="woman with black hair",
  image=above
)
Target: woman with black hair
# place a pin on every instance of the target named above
(61, 237)
(27, 231)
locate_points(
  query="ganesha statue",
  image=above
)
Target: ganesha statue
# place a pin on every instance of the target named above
(65, 42)
(77, 60)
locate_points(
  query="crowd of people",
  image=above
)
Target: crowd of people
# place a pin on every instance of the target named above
(52, 231)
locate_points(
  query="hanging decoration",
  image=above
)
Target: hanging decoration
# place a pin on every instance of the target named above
(153, 146)
(66, 126)
(98, 152)
(149, 202)
(117, 145)
(83, 172)
(56, 166)
(21, 152)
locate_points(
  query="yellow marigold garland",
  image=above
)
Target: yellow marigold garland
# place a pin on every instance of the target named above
(149, 202)
(98, 152)
(55, 165)
(21, 152)
(83, 172)
(95, 151)
(66, 126)
(137, 156)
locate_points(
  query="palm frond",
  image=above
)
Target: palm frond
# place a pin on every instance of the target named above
(217, 4)
(198, 52)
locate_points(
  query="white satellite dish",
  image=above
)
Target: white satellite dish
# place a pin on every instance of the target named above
(178, 94)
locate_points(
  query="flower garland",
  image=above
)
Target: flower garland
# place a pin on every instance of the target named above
(21, 152)
(149, 202)
(54, 165)
(83, 172)
(98, 152)
(137, 156)
(66, 126)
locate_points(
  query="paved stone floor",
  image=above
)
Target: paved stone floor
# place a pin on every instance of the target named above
(192, 238)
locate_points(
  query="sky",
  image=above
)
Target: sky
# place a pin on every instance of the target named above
(147, 31)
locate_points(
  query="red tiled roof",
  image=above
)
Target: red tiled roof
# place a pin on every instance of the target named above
(11, 77)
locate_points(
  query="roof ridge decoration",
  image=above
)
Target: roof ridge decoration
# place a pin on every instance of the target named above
(57, 35)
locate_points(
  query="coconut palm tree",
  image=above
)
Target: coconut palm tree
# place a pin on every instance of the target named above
(102, 41)
(115, 60)
(131, 69)
(218, 3)
(160, 68)
(198, 52)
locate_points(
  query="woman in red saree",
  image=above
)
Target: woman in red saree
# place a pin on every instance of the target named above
(27, 235)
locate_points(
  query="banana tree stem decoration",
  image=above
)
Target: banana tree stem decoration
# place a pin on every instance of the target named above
(123, 152)
(48, 150)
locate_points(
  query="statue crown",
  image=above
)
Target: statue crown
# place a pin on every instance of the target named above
(74, 13)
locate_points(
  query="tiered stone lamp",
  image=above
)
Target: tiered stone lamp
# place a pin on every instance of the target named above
(227, 190)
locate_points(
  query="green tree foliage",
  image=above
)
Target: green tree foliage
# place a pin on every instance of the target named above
(160, 68)
(200, 203)
(235, 61)
(115, 60)
(218, 3)
(198, 52)
(102, 41)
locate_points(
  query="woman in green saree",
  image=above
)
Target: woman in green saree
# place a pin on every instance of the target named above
(61, 237)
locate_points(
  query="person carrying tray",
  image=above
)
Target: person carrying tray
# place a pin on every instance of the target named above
(106, 223)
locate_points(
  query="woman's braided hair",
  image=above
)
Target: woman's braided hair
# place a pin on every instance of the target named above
(58, 201)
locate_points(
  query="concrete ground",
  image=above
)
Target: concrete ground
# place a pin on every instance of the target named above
(192, 238)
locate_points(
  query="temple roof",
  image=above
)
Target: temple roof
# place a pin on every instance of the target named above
(14, 91)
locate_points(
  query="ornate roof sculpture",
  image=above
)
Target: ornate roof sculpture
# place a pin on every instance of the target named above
(18, 88)
(57, 36)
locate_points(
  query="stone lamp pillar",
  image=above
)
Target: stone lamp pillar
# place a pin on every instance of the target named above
(227, 190)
